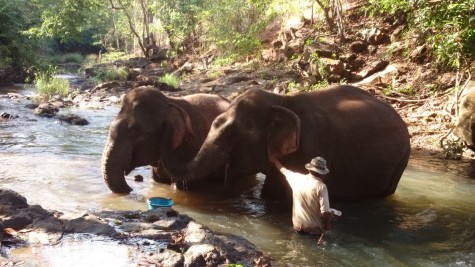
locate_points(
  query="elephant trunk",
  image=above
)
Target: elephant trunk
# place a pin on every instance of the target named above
(206, 161)
(113, 169)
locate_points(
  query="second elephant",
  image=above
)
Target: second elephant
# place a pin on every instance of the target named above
(365, 141)
(149, 125)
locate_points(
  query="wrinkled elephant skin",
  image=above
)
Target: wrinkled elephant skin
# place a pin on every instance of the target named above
(365, 141)
(149, 125)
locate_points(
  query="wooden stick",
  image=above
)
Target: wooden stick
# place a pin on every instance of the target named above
(320, 240)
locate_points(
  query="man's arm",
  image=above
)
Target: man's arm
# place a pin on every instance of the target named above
(278, 165)
(325, 208)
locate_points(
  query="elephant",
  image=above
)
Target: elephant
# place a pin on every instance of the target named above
(364, 140)
(150, 124)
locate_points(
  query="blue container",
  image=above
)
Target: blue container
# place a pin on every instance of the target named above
(159, 202)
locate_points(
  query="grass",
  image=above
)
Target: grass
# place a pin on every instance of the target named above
(47, 85)
(67, 58)
(170, 79)
(112, 73)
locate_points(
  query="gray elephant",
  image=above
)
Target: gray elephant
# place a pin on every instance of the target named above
(150, 124)
(365, 141)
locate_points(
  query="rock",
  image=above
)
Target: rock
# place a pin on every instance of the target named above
(73, 119)
(114, 99)
(382, 78)
(89, 224)
(187, 242)
(107, 85)
(31, 106)
(358, 47)
(46, 110)
(236, 78)
(321, 49)
(12, 199)
(294, 47)
(332, 66)
(138, 178)
(373, 68)
(8, 116)
(375, 36)
(419, 54)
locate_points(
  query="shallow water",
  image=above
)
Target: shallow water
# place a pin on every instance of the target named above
(429, 221)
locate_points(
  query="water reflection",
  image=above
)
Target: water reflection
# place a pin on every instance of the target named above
(429, 221)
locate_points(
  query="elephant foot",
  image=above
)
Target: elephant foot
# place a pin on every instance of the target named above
(160, 176)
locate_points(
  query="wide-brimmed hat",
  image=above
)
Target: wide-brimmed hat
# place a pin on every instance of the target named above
(318, 165)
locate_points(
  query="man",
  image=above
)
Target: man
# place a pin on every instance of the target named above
(311, 211)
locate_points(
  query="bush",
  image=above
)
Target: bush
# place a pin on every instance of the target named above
(113, 56)
(450, 26)
(112, 73)
(72, 58)
(170, 79)
(66, 58)
(47, 85)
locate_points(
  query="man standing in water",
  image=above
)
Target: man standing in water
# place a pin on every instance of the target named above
(311, 211)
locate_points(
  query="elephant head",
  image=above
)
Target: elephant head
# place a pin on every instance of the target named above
(254, 126)
(149, 124)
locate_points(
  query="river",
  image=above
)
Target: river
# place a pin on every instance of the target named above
(429, 221)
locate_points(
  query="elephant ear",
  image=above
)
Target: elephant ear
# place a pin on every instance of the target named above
(283, 133)
(181, 125)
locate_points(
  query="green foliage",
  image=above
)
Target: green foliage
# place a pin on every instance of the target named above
(232, 25)
(170, 79)
(223, 61)
(67, 58)
(452, 24)
(390, 7)
(321, 68)
(449, 26)
(113, 56)
(47, 85)
(68, 19)
(89, 61)
(319, 85)
(112, 73)
(16, 50)
(453, 148)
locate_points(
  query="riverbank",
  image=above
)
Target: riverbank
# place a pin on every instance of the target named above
(158, 237)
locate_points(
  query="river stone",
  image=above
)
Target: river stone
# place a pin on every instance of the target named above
(73, 119)
(154, 234)
(203, 255)
(12, 198)
(169, 258)
(89, 224)
(46, 110)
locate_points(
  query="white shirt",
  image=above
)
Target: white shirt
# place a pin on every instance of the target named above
(310, 200)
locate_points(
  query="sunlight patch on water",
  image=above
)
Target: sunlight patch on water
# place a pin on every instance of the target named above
(77, 253)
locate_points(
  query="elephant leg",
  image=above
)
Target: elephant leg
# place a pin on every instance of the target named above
(276, 187)
(397, 175)
(159, 175)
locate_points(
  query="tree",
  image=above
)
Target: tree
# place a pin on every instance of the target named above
(16, 16)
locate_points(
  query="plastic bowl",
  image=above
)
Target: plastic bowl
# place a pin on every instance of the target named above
(159, 202)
